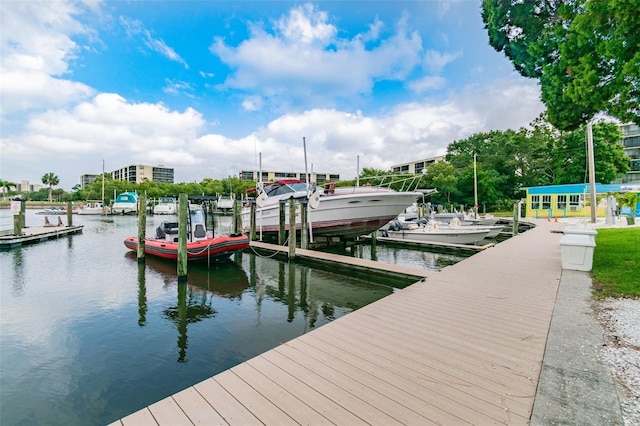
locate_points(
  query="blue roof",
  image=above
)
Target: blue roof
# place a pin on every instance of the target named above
(574, 188)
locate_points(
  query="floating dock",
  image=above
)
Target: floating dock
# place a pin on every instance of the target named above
(464, 345)
(35, 234)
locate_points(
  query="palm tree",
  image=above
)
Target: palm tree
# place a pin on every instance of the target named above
(6, 185)
(51, 180)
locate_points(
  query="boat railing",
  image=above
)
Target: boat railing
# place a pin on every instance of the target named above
(406, 183)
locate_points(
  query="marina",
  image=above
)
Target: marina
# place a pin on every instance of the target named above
(463, 346)
(89, 337)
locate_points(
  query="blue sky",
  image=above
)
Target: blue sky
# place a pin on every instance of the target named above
(205, 86)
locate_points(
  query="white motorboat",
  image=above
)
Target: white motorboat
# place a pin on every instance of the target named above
(345, 212)
(436, 233)
(224, 204)
(125, 203)
(166, 205)
(92, 207)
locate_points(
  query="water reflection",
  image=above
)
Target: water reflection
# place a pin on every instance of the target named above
(142, 295)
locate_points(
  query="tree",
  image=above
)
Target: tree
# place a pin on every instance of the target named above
(442, 176)
(52, 180)
(569, 155)
(6, 185)
(585, 53)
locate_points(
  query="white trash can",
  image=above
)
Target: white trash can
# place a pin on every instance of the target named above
(577, 251)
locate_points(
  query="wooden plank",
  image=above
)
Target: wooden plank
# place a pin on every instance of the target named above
(140, 418)
(397, 397)
(482, 377)
(167, 412)
(279, 396)
(197, 408)
(450, 383)
(266, 411)
(231, 410)
(326, 407)
(349, 400)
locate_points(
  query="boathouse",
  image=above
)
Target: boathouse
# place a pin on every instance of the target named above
(572, 200)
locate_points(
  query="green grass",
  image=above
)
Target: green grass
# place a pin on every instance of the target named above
(616, 263)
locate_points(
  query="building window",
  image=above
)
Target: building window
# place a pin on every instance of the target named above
(561, 202)
(535, 202)
(574, 202)
(546, 202)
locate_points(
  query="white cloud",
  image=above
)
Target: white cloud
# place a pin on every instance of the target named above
(305, 25)
(135, 28)
(435, 61)
(304, 61)
(107, 128)
(36, 47)
(427, 83)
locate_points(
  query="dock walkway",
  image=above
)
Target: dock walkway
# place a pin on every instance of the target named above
(463, 346)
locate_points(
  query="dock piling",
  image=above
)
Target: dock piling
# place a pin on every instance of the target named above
(281, 234)
(69, 213)
(142, 225)
(252, 232)
(183, 217)
(304, 243)
(292, 228)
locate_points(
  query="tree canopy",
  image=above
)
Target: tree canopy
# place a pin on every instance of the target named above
(585, 53)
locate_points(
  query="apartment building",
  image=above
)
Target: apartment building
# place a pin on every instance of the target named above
(272, 176)
(415, 167)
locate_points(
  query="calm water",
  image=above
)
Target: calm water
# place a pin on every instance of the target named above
(87, 336)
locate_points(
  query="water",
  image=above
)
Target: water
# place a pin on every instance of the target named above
(87, 336)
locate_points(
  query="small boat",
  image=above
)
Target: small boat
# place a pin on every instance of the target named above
(201, 245)
(125, 203)
(53, 210)
(436, 233)
(224, 204)
(92, 207)
(166, 205)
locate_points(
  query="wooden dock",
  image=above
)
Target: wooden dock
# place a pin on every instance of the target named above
(463, 346)
(35, 234)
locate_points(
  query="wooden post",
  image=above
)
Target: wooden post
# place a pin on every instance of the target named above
(16, 209)
(142, 227)
(515, 219)
(281, 234)
(252, 232)
(69, 213)
(183, 217)
(23, 209)
(304, 226)
(237, 217)
(292, 228)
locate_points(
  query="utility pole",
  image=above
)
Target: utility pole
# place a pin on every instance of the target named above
(592, 171)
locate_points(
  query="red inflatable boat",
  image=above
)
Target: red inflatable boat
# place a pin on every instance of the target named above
(200, 244)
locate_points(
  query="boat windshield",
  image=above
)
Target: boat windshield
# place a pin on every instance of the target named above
(197, 215)
(279, 188)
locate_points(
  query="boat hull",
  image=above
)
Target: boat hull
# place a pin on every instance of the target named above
(217, 248)
(165, 209)
(451, 236)
(343, 215)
